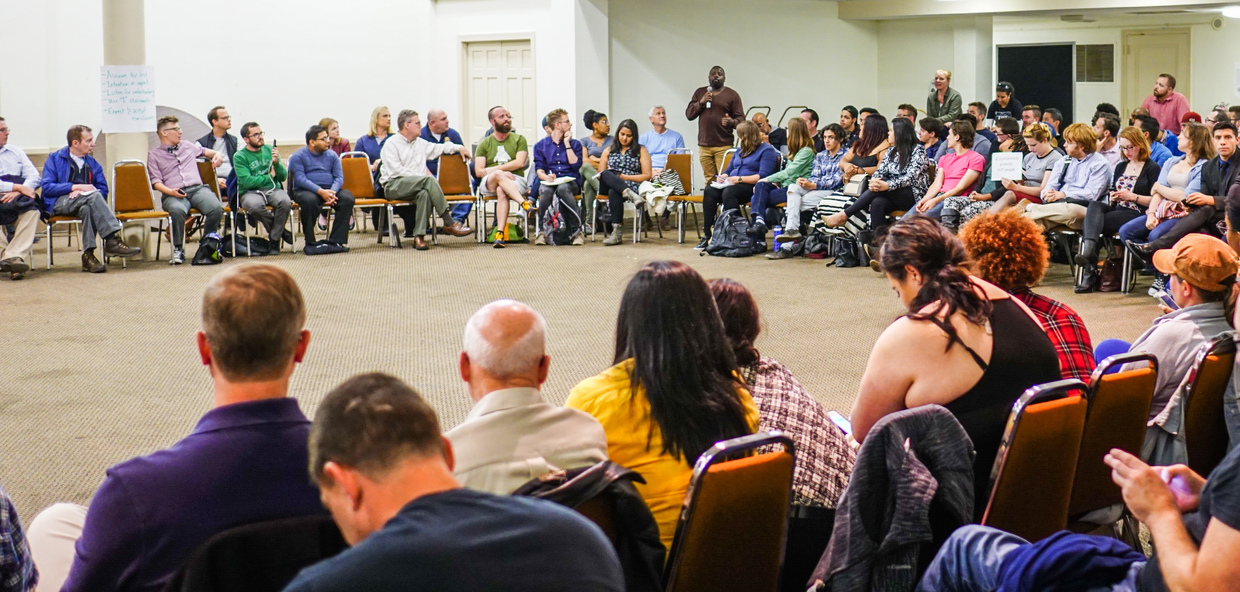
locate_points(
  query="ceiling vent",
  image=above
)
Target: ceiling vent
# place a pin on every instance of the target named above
(1077, 18)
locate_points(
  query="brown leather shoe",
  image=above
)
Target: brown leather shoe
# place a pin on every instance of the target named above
(419, 243)
(458, 229)
(116, 246)
(91, 264)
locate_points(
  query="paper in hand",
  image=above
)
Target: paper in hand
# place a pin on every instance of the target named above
(1007, 165)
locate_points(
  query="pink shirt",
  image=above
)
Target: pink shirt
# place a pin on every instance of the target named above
(954, 166)
(1168, 110)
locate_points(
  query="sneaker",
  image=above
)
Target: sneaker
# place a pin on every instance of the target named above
(614, 238)
(779, 254)
(539, 239)
(634, 197)
(499, 243)
(579, 240)
(178, 256)
(701, 246)
(788, 236)
(1158, 286)
(322, 221)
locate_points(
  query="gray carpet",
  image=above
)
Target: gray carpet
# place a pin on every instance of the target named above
(100, 368)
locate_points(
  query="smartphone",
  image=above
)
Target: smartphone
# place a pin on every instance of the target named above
(1168, 300)
(841, 421)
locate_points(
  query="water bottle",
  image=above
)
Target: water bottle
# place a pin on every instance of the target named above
(778, 230)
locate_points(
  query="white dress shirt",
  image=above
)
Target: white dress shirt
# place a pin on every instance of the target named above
(402, 158)
(512, 436)
(15, 162)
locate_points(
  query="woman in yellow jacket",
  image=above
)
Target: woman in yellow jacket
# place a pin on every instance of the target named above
(674, 390)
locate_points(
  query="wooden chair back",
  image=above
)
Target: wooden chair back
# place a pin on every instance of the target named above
(1031, 481)
(357, 178)
(131, 187)
(734, 522)
(1205, 431)
(1119, 405)
(453, 176)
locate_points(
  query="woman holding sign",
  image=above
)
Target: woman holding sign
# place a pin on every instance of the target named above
(1039, 159)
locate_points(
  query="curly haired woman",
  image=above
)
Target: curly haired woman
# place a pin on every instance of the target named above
(1009, 251)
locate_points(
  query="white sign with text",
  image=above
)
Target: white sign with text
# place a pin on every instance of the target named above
(1007, 165)
(128, 98)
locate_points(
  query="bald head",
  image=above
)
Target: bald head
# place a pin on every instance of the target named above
(437, 120)
(504, 347)
(764, 124)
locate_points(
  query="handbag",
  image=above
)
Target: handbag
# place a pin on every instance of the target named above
(1111, 277)
(856, 184)
(669, 178)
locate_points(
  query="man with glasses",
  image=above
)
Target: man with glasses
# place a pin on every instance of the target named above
(259, 175)
(318, 183)
(18, 182)
(219, 140)
(173, 167)
(74, 185)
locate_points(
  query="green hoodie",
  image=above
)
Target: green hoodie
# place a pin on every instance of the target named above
(253, 170)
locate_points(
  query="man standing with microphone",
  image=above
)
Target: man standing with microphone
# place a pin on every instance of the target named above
(718, 109)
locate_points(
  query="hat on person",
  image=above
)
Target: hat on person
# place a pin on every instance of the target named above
(1192, 116)
(1201, 260)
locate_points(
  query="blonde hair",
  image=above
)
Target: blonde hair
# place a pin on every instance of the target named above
(374, 121)
(946, 73)
(328, 122)
(749, 136)
(1137, 138)
(555, 115)
(798, 135)
(1082, 135)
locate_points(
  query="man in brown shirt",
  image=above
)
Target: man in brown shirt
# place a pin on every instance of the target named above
(720, 110)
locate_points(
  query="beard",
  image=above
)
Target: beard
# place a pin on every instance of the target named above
(503, 128)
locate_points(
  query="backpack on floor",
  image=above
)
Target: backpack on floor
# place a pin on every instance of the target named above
(258, 246)
(516, 233)
(560, 223)
(324, 247)
(730, 237)
(848, 252)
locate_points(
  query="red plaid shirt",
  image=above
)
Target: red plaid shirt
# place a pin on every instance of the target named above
(1067, 333)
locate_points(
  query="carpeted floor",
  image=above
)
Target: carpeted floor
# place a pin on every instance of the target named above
(100, 368)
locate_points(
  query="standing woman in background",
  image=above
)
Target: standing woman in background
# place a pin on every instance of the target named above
(599, 139)
(1005, 104)
(944, 103)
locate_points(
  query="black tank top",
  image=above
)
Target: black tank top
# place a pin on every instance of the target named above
(1022, 356)
(865, 162)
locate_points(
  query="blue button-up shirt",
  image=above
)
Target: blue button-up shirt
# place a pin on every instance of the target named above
(1087, 179)
(550, 157)
(827, 173)
(243, 463)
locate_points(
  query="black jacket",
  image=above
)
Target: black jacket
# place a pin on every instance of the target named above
(1213, 183)
(637, 534)
(1145, 180)
(911, 487)
(230, 142)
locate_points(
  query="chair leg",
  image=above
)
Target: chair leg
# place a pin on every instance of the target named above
(637, 223)
(49, 247)
(393, 235)
(248, 251)
(1125, 283)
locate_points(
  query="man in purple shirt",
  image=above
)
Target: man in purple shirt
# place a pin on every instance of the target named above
(173, 167)
(245, 461)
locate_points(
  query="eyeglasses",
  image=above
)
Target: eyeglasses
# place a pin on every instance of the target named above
(172, 129)
(255, 135)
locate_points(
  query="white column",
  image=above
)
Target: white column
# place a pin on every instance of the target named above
(593, 59)
(124, 44)
(973, 73)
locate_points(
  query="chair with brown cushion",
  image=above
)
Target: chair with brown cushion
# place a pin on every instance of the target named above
(734, 520)
(361, 183)
(679, 160)
(132, 200)
(209, 178)
(1204, 429)
(1119, 405)
(1031, 482)
(53, 222)
(453, 178)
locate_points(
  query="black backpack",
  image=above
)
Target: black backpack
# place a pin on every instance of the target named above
(258, 246)
(730, 237)
(560, 223)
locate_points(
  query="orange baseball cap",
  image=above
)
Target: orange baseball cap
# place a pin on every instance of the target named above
(1201, 260)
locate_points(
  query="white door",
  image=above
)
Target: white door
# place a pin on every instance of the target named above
(500, 73)
(1150, 53)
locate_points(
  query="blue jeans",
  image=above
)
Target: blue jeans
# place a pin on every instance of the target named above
(1134, 230)
(970, 559)
(764, 196)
